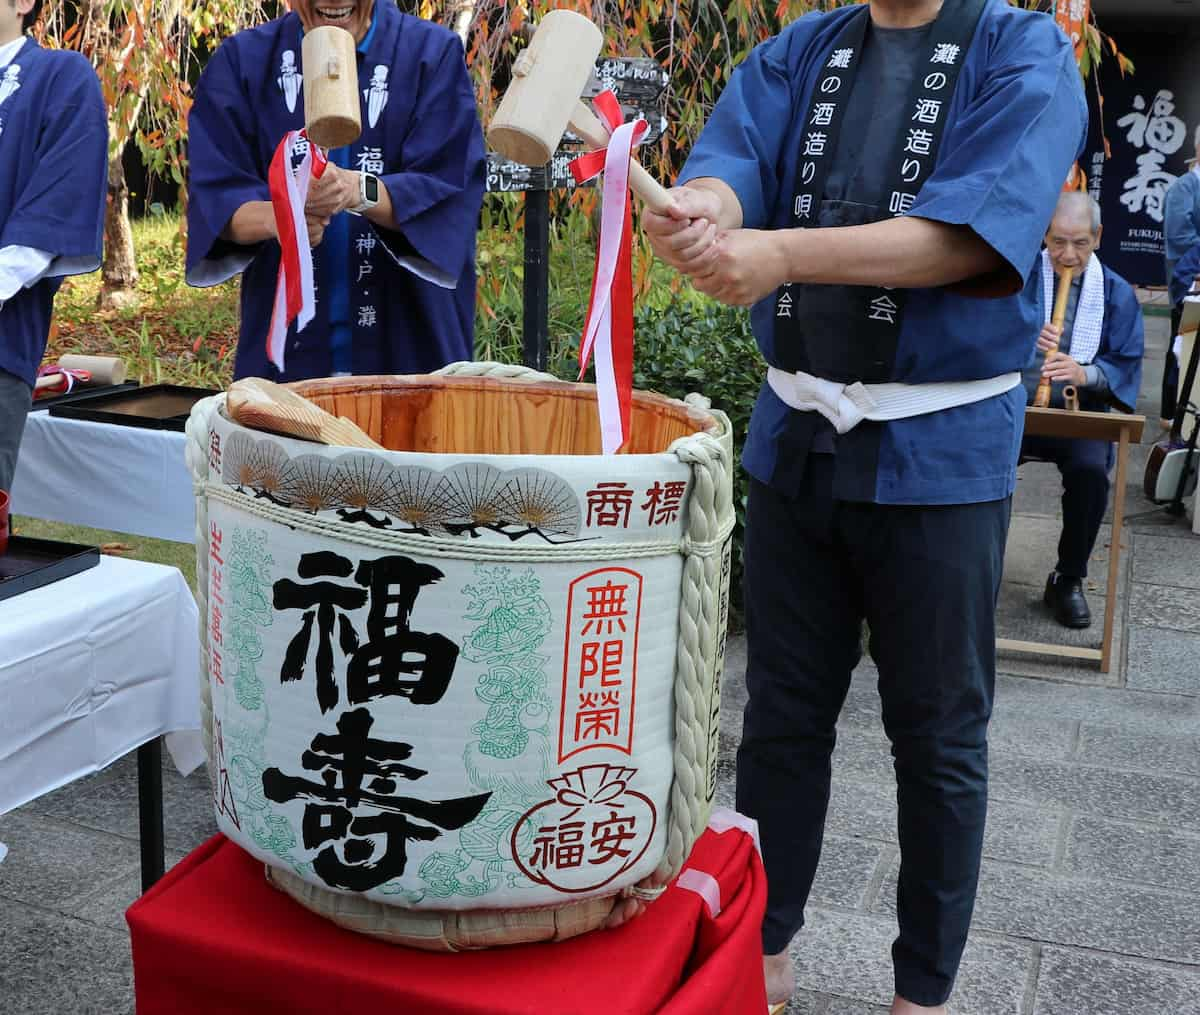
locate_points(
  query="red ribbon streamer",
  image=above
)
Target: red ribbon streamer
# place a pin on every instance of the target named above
(278, 178)
(585, 168)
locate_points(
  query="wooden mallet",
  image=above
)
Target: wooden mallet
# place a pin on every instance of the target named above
(548, 77)
(331, 108)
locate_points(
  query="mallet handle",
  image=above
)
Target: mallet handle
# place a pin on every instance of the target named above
(1041, 398)
(587, 125)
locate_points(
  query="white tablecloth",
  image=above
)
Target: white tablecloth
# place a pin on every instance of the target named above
(123, 478)
(92, 667)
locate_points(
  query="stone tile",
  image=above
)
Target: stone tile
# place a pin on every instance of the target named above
(1144, 516)
(1162, 660)
(1136, 796)
(840, 1006)
(1160, 857)
(111, 804)
(1164, 606)
(1038, 495)
(849, 955)
(1159, 560)
(1083, 983)
(1016, 832)
(52, 964)
(1132, 710)
(726, 786)
(1116, 748)
(845, 872)
(106, 906)
(1032, 549)
(807, 1002)
(50, 863)
(1032, 736)
(864, 753)
(1081, 912)
(1021, 615)
(1020, 833)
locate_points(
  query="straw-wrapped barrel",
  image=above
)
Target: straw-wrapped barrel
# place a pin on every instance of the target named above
(464, 691)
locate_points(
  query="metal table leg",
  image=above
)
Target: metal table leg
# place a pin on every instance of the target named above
(150, 811)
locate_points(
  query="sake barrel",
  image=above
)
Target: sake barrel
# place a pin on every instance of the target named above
(464, 691)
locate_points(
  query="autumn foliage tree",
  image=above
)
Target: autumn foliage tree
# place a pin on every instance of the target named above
(144, 52)
(147, 53)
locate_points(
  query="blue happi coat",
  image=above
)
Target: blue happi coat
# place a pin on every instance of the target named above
(53, 185)
(1187, 270)
(398, 300)
(1122, 343)
(1015, 124)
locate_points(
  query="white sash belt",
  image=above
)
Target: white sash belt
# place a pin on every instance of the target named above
(847, 405)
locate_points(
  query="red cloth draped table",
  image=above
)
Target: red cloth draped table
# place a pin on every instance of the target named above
(213, 936)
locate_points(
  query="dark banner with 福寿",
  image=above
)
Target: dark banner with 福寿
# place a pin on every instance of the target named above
(1149, 119)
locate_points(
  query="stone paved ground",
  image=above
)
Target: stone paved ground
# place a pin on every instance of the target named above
(1089, 902)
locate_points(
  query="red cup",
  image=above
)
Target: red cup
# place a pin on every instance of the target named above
(3, 522)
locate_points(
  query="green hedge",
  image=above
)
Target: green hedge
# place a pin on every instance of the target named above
(706, 347)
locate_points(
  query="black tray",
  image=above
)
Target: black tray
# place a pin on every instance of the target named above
(31, 563)
(156, 406)
(81, 393)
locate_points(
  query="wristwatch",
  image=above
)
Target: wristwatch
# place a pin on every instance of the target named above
(368, 193)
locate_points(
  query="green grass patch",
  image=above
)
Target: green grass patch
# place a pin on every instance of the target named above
(156, 551)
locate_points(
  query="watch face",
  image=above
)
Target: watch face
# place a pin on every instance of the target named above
(370, 188)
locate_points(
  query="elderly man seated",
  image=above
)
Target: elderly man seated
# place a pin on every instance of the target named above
(1099, 351)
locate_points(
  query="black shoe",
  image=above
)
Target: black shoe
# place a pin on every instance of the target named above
(1064, 596)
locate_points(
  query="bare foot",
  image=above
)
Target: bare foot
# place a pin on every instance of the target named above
(777, 970)
(902, 1007)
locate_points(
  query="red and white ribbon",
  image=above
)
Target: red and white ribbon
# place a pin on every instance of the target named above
(294, 292)
(609, 326)
(63, 383)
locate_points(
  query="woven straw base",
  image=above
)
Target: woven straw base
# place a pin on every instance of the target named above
(447, 930)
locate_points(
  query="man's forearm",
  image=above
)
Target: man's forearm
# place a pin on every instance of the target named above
(903, 253)
(252, 223)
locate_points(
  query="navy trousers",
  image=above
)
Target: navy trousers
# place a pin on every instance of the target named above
(1084, 466)
(16, 398)
(925, 579)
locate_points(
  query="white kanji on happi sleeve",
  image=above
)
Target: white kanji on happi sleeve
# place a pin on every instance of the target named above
(367, 317)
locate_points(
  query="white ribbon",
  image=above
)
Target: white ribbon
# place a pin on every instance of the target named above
(599, 333)
(297, 194)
